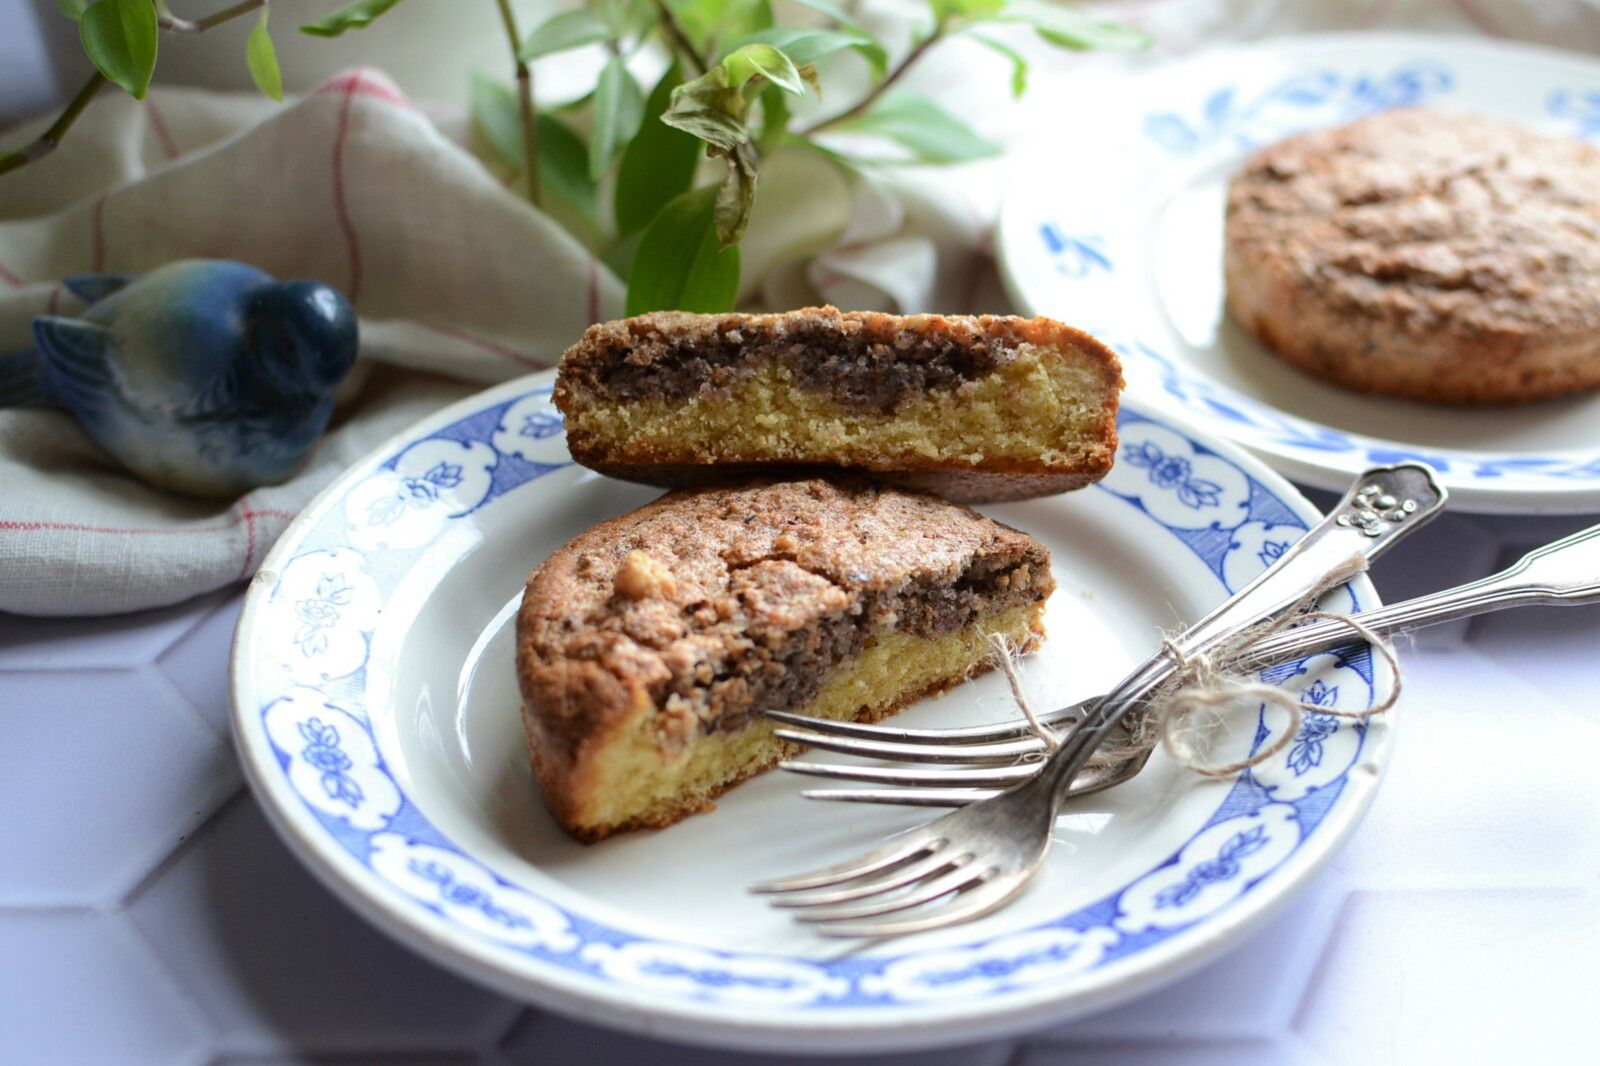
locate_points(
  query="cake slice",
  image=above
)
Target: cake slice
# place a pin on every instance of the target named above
(646, 646)
(973, 408)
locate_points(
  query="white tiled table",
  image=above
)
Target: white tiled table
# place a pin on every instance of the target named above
(149, 915)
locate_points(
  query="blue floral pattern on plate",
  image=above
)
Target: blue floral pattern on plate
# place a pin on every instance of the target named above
(1324, 95)
(311, 706)
(1578, 108)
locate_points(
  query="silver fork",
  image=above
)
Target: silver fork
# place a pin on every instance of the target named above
(1383, 506)
(1533, 580)
(944, 857)
(983, 854)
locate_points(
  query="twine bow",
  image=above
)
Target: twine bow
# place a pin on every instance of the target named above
(1189, 707)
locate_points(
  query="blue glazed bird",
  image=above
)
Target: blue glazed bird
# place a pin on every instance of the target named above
(204, 377)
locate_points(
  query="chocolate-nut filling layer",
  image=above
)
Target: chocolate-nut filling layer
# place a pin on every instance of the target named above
(860, 372)
(926, 608)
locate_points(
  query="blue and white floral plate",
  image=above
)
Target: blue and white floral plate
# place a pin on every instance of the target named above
(1125, 240)
(376, 715)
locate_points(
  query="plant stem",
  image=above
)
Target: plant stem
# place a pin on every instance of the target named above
(530, 126)
(680, 39)
(47, 141)
(894, 75)
(173, 23)
(50, 138)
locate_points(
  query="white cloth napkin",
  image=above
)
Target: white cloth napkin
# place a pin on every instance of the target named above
(459, 283)
(449, 271)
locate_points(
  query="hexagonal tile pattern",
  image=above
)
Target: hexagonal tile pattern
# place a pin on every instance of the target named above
(546, 1038)
(82, 988)
(279, 965)
(102, 773)
(1457, 977)
(197, 663)
(88, 643)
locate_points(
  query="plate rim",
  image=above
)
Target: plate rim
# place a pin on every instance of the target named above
(1478, 495)
(755, 1026)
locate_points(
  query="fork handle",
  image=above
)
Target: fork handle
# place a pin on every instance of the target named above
(1384, 505)
(1564, 572)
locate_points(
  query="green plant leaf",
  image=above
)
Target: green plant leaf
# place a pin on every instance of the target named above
(1067, 27)
(568, 30)
(1019, 65)
(965, 9)
(775, 116)
(712, 114)
(564, 166)
(931, 133)
(73, 9)
(679, 264)
(120, 38)
(350, 17)
(618, 112)
(708, 22)
(262, 59)
(837, 14)
(805, 46)
(658, 163)
(563, 158)
(736, 196)
(626, 18)
(495, 115)
(761, 60)
(713, 107)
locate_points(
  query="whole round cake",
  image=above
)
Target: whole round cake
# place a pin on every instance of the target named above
(1425, 254)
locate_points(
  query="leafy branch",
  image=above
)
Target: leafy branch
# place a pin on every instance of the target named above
(736, 72)
(120, 38)
(918, 50)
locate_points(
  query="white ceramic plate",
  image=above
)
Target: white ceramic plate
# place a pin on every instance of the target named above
(375, 712)
(1126, 242)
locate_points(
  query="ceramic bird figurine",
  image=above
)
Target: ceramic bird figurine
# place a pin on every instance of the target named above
(204, 377)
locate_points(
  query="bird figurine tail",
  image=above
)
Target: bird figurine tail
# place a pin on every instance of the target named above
(21, 380)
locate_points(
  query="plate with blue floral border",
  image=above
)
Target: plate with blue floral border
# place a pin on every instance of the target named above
(376, 716)
(1126, 242)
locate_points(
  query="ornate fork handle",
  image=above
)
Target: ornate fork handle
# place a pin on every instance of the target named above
(1383, 501)
(1564, 572)
(1386, 504)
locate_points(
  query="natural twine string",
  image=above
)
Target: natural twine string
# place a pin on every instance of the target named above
(1189, 707)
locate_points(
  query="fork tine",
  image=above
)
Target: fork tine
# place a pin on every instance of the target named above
(959, 797)
(1017, 727)
(997, 777)
(1002, 751)
(871, 885)
(903, 797)
(896, 851)
(975, 902)
(964, 874)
